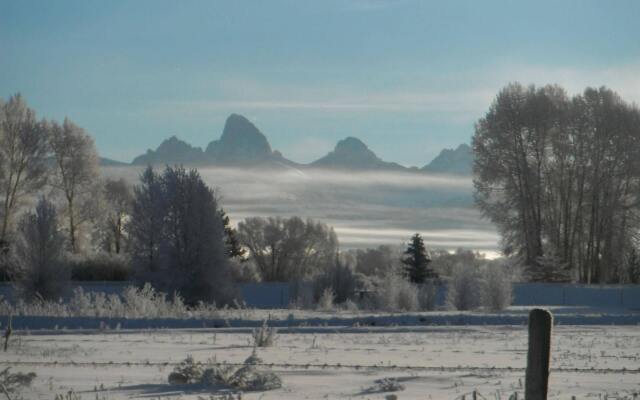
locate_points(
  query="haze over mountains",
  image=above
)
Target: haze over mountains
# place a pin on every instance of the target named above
(368, 200)
(242, 144)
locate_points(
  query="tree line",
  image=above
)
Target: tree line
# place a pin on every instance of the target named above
(560, 178)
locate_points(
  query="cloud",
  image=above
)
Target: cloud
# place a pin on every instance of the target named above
(365, 208)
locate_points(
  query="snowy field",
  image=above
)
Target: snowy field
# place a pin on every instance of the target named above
(437, 362)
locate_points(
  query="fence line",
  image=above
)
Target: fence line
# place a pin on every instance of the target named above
(381, 367)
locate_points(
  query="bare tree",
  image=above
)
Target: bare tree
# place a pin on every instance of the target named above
(118, 199)
(23, 152)
(76, 174)
(560, 178)
(286, 249)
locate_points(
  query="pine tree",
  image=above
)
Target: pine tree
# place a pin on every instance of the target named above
(417, 262)
(234, 249)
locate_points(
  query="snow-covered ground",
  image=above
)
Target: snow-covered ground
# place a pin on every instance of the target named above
(331, 362)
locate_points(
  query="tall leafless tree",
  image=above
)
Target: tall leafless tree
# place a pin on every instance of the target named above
(76, 174)
(560, 178)
(118, 199)
(286, 249)
(23, 152)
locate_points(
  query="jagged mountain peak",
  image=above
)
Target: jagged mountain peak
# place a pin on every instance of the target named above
(452, 161)
(241, 141)
(352, 153)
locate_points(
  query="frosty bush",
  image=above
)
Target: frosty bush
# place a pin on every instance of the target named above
(188, 371)
(464, 290)
(248, 377)
(325, 302)
(135, 302)
(264, 336)
(496, 288)
(14, 382)
(386, 385)
(394, 293)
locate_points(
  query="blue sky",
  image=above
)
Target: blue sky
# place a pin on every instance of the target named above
(407, 77)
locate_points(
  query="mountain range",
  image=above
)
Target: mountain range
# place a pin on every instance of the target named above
(242, 144)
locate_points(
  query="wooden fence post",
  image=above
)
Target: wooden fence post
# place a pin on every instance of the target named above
(537, 379)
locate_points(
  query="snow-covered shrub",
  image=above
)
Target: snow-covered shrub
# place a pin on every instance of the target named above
(248, 377)
(351, 306)
(387, 385)
(265, 336)
(188, 371)
(395, 293)
(325, 302)
(497, 291)
(11, 383)
(464, 290)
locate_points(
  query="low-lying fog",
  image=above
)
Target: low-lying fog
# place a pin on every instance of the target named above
(365, 208)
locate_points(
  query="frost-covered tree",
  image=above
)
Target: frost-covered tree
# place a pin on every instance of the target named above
(464, 289)
(76, 175)
(177, 236)
(146, 223)
(39, 250)
(286, 249)
(118, 199)
(377, 261)
(416, 261)
(23, 152)
(497, 292)
(559, 177)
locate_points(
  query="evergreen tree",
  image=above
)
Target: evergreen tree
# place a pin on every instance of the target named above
(234, 249)
(417, 262)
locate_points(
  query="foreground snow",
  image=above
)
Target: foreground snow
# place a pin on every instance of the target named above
(135, 364)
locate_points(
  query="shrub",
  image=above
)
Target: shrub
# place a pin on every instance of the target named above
(99, 267)
(325, 302)
(264, 336)
(248, 377)
(464, 290)
(497, 288)
(394, 293)
(188, 371)
(14, 382)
